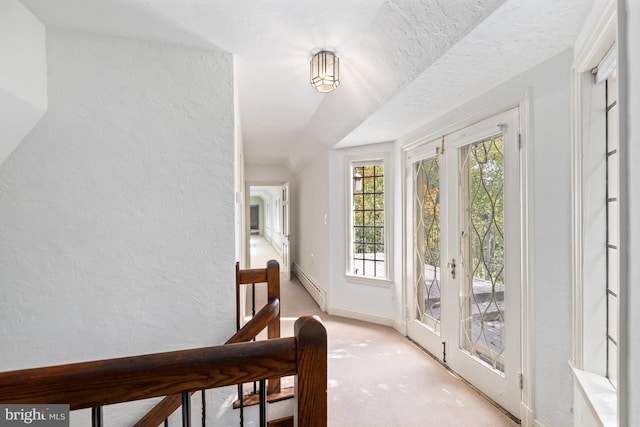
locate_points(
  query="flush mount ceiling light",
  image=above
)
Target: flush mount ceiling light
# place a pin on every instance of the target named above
(325, 71)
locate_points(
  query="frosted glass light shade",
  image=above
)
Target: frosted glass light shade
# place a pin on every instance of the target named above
(325, 71)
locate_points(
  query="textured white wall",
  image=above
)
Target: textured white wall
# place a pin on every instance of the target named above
(23, 74)
(310, 203)
(117, 210)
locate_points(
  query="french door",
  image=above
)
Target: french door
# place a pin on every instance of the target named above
(465, 255)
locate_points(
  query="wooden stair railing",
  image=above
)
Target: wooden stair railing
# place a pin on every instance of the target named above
(104, 382)
(268, 317)
(270, 276)
(170, 404)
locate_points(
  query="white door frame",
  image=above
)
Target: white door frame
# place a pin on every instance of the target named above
(460, 361)
(285, 190)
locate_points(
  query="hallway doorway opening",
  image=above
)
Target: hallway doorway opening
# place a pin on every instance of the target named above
(254, 225)
(269, 233)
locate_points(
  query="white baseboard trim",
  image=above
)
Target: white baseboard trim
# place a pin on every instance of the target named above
(316, 291)
(527, 418)
(319, 295)
(365, 317)
(401, 327)
(538, 423)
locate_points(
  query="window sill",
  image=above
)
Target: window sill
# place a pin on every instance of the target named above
(600, 394)
(372, 281)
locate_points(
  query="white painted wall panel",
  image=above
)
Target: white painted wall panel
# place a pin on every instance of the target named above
(346, 297)
(551, 189)
(266, 174)
(311, 235)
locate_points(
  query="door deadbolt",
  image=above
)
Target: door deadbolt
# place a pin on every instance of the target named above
(452, 268)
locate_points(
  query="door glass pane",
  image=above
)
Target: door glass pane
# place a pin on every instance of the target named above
(427, 243)
(481, 189)
(613, 176)
(613, 267)
(613, 218)
(612, 317)
(612, 362)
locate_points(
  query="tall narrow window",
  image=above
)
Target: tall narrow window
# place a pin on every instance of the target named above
(599, 217)
(612, 226)
(368, 247)
(597, 227)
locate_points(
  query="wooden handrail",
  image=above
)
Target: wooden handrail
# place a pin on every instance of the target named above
(103, 382)
(167, 406)
(262, 319)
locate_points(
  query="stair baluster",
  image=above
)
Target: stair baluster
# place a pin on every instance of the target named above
(186, 409)
(96, 416)
(204, 409)
(263, 403)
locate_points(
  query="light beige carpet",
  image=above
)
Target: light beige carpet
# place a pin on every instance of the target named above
(379, 378)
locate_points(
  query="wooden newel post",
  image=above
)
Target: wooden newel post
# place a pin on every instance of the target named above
(311, 381)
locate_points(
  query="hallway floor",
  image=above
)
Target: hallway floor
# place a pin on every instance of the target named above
(377, 377)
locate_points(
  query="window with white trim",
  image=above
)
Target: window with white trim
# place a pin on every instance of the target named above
(367, 253)
(596, 225)
(599, 185)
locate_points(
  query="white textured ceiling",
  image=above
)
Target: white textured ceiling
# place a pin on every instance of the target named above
(403, 62)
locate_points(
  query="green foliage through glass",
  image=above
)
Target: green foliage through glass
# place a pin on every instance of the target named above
(368, 220)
